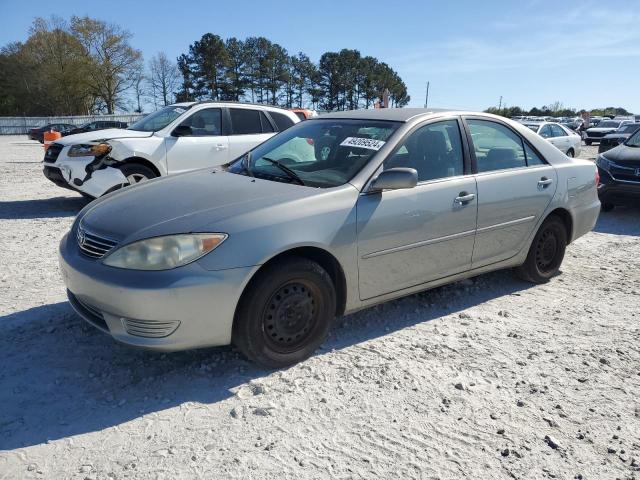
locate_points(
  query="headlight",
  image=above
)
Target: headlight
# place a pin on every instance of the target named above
(602, 162)
(89, 150)
(164, 253)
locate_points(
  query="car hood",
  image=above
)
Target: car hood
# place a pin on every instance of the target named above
(623, 153)
(190, 202)
(597, 129)
(108, 134)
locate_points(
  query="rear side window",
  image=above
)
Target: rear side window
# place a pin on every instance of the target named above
(532, 157)
(496, 147)
(245, 121)
(282, 121)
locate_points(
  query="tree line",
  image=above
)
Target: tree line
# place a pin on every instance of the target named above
(259, 70)
(555, 109)
(87, 66)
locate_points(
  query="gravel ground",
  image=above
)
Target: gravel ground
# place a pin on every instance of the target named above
(486, 378)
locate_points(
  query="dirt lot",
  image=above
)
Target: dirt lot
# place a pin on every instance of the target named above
(487, 378)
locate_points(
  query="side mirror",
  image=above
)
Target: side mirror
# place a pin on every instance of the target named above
(182, 131)
(395, 179)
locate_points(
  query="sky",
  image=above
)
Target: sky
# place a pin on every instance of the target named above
(582, 53)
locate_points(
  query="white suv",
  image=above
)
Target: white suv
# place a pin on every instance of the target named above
(177, 138)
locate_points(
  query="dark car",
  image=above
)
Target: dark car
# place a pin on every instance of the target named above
(38, 133)
(96, 125)
(619, 170)
(595, 134)
(619, 136)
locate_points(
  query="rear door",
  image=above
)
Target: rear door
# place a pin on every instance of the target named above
(249, 127)
(206, 145)
(515, 186)
(409, 237)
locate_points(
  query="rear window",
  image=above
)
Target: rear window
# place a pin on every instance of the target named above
(282, 121)
(245, 121)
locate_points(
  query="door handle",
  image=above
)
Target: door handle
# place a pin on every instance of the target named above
(544, 182)
(464, 197)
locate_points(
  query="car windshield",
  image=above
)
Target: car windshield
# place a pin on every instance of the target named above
(609, 124)
(634, 140)
(158, 120)
(319, 153)
(628, 128)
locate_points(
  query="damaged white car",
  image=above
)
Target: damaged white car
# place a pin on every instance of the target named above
(175, 139)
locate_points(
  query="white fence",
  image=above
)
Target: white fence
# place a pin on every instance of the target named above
(21, 125)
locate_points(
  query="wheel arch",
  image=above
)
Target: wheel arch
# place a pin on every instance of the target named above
(141, 161)
(567, 220)
(323, 258)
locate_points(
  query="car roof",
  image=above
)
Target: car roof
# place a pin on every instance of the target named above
(229, 102)
(392, 114)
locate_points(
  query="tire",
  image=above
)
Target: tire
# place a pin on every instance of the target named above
(546, 252)
(587, 142)
(571, 153)
(285, 313)
(607, 207)
(137, 173)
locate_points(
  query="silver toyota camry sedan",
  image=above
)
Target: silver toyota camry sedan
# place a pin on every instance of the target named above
(328, 217)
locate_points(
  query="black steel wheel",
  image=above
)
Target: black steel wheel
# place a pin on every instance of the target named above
(546, 252)
(285, 313)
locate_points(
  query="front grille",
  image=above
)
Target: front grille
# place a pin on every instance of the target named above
(626, 173)
(150, 329)
(93, 245)
(89, 313)
(53, 152)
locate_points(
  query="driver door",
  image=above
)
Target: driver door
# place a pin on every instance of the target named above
(413, 236)
(204, 147)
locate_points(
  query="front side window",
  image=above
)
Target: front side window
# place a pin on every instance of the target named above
(158, 120)
(205, 123)
(496, 147)
(434, 151)
(318, 153)
(546, 132)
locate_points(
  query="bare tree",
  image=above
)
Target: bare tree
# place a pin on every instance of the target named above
(139, 85)
(164, 78)
(112, 60)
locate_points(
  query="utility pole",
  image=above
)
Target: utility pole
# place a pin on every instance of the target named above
(500, 105)
(426, 99)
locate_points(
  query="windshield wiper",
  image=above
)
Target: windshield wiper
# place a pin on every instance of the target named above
(293, 175)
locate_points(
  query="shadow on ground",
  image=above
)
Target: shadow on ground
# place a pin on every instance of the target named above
(42, 208)
(61, 377)
(620, 221)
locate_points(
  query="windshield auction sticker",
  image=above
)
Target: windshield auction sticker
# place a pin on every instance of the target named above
(368, 143)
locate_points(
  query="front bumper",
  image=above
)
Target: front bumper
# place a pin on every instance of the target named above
(617, 192)
(184, 308)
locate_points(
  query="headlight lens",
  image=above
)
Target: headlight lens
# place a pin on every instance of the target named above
(602, 162)
(89, 150)
(164, 253)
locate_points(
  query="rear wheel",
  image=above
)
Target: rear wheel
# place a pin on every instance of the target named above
(286, 313)
(571, 153)
(546, 252)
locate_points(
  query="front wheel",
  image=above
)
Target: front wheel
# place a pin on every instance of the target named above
(571, 153)
(607, 207)
(286, 313)
(587, 142)
(546, 252)
(136, 173)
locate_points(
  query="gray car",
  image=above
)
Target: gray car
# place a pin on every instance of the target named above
(333, 215)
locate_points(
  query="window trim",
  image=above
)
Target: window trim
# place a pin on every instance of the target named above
(472, 151)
